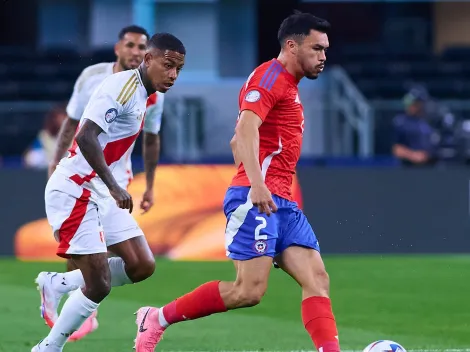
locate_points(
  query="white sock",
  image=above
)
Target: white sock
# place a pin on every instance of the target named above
(161, 319)
(76, 310)
(68, 282)
(72, 280)
(118, 272)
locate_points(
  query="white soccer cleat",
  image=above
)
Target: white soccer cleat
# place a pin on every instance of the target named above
(43, 346)
(50, 298)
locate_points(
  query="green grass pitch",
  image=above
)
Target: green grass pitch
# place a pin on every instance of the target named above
(421, 302)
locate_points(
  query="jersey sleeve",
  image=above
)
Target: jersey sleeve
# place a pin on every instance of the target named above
(261, 92)
(153, 116)
(78, 100)
(104, 107)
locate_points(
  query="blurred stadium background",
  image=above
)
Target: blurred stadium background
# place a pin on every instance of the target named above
(383, 175)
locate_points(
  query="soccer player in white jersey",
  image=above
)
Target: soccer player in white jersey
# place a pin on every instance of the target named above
(88, 211)
(129, 50)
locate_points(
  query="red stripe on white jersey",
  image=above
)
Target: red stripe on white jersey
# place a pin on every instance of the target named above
(113, 151)
(152, 100)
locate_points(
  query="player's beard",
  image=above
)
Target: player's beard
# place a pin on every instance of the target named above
(308, 73)
(124, 65)
(311, 76)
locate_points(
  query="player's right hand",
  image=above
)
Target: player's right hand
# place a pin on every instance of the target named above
(123, 199)
(261, 197)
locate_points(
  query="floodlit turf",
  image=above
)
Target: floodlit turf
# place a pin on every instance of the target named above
(420, 302)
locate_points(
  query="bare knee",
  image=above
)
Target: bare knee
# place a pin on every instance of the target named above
(141, 269)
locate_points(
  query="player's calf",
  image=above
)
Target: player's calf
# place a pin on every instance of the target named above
(140, 269)
(137, 256)
(96, 275)
(216, 296)
(318, 285)
(243, 294)
(306, 267)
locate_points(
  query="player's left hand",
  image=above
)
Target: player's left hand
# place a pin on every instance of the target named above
(147, 201)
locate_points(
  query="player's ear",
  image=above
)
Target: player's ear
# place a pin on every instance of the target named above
(291, 46)
(117, 47)
(148, 58)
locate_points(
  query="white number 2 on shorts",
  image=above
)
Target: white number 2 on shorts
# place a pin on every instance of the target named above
(259, 228)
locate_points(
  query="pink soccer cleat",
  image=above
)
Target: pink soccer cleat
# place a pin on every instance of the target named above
(149, 330)
(88, 326)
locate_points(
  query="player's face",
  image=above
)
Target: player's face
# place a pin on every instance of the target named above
(163, 68)
(311, 54)
(130, 50)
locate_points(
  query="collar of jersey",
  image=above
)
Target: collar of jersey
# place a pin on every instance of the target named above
(138, 76)
(287, 73)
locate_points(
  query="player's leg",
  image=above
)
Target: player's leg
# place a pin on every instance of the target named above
(252, 253)
(134, 257)
(300, 258)
(70, 265)
(74, 218)
(91, 323)
(124, 238)
(210, 298)
(82, 303)
(218, 296)
(71, 214)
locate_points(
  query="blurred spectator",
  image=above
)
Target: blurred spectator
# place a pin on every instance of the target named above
(413, 135)
(41, 151)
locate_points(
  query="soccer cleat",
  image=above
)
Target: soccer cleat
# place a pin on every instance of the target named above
(149, 330)
(43, 346)
(50, 298)
(88, 326)
(37, 348)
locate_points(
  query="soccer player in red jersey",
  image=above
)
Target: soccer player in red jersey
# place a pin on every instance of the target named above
(263, 222)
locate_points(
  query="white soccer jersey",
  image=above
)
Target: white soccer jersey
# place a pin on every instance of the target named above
(90, 78)
(153, 121)
(118, 107)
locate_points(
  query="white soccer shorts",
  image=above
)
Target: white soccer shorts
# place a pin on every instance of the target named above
(83, 223)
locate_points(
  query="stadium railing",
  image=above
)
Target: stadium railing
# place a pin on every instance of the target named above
(351, 114)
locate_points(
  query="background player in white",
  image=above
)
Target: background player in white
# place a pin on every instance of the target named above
(82, 194)
(130, 51)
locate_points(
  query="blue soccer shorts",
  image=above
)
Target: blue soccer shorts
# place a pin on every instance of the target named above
(250, 234)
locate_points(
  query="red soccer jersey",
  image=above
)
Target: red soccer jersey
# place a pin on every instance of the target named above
(272, 93)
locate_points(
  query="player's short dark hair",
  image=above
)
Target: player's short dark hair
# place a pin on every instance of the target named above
(298, 25)
(166, 41)
(133, 29)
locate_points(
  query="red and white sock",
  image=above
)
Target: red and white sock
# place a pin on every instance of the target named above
(320, 323)
(203, 301)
